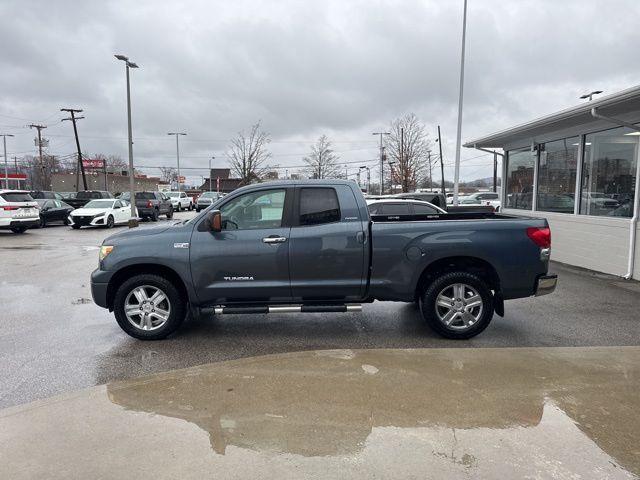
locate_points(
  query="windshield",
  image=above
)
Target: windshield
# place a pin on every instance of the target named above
(82, 195)
(209, 195)
(144, 196)
(172, 194)
(99, 204)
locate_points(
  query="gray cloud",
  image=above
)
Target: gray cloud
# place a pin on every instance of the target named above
(303, 68)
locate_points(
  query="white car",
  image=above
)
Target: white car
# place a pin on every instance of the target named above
(402, 207)
(180, 200)
(18, 211)
(101, 213)
(206, 199)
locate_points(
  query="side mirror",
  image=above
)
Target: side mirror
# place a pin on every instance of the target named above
(215, 220)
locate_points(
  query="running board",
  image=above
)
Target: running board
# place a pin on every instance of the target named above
(289, 309)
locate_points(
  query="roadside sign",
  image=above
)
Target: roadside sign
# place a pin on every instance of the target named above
(89, 163)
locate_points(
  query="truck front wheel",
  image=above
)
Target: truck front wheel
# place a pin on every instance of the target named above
(149, 307)
(457, 305)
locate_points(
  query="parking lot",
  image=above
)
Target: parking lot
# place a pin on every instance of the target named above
(53, 339)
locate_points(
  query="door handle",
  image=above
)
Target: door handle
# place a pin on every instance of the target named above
(271, 240)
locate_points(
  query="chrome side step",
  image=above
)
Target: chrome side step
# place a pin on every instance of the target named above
(352, 307)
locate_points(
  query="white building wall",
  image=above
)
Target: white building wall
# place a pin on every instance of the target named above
(596, 243)
(636, 270)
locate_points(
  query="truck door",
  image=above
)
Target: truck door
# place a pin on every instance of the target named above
(249, 259)
(327, 245)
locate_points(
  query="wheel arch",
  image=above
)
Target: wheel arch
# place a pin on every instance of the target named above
(475, 265)
(144, 268)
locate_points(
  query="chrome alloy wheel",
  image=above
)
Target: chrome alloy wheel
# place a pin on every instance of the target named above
(459, 306)
(147, 308)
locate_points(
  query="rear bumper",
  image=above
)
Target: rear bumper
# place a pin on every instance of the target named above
(143, 211)
(546, 285)
(19, 222)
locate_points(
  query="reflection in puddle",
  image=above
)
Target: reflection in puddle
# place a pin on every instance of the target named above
(486, 410)
(439, 413)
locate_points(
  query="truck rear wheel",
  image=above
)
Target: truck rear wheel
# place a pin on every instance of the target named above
(149, 307)
(457, 305)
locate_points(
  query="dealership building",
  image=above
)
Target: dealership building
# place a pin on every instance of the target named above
(579, 169)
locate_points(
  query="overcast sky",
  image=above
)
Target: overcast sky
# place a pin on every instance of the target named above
(304, 68)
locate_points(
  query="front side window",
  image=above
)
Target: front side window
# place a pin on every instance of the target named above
(519, 181)
(609, 173)
(557, 175)
(318, 205)
(254, 210)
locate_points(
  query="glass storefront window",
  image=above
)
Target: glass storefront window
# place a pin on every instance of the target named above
(609, 173)
(557, 175)
(519, 182)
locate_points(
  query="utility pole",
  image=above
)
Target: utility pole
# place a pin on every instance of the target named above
(430, 178)
(210, 179)
(402, 167)
(39, 129)
(177, 134)
(73, 119)
(444, 192)
(381, 160)
(6, 167)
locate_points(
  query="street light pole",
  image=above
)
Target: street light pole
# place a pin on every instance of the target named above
(456, 174)
(177, 134)
(6, 167)
(212, 158)
(133, 222)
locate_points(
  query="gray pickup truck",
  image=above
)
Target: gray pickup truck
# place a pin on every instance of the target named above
(311, 246)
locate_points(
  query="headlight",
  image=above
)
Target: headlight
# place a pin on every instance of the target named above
(105, 250)
(99, 215)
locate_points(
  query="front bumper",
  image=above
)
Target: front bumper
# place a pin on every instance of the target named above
(87, 221)
(546, 285)
(99, 286)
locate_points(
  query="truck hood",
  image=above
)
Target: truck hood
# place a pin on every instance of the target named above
(142, 232)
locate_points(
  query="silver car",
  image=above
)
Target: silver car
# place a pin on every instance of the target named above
(206, 199)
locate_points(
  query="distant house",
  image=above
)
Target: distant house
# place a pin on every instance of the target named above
(219, 181)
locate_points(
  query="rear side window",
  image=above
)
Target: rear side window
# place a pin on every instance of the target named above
(318, 205)
(420, 209)
(16, 197)
(395, 209)
(145, 196)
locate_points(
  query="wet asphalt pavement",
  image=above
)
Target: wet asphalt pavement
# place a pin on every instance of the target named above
(53, 339)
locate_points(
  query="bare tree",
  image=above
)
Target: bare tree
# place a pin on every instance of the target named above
(323, 160)
(168, 174)
(248, 153)
(407, 147)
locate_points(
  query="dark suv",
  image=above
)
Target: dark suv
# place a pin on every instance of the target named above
(151, 204)
(85, 196)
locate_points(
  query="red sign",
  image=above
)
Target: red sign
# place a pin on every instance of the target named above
(93, 163)
(14, 176)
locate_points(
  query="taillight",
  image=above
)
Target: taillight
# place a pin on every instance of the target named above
(149, 204)
(540, 236)
(7, 207)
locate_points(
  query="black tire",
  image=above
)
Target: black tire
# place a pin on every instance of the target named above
(65, 221)
(110, 222)
(75, 227)
(154, 216)
(18, 229)
(190, 206)
(43, 222)
(178, 306)
(198, 209)
(440, 284)
(179, 207)
(170, 214)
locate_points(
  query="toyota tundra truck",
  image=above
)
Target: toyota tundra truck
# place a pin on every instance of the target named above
(311, 246)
